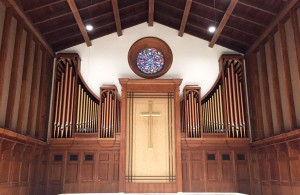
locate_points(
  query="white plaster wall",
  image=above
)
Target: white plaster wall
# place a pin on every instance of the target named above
(106, 60)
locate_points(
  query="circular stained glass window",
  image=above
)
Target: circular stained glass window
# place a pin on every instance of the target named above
(150, 60)
(150, 57)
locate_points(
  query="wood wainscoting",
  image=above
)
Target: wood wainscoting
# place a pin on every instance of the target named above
(275, 165)
(23, 164)
(215, 165)
(83, 166)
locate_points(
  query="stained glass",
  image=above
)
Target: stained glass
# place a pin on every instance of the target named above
(150, 60)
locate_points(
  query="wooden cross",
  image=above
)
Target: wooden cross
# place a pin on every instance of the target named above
(150, 114)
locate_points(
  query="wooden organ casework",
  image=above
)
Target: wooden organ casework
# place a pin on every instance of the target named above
(222, 111)
(109, 119)
(76, 109)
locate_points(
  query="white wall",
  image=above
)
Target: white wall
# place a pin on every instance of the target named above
(106, 60)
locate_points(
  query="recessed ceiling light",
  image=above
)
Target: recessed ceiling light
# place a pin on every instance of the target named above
(212, 29)
(89, 27)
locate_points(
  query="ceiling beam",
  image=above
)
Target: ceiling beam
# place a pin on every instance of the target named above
(185, 17)
(151, 13)
(223, 22)
(79, 22)
(30, 25)
(274, 24)
(117, 16)
(257, 6)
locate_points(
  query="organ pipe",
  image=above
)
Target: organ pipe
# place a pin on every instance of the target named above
(75, 109)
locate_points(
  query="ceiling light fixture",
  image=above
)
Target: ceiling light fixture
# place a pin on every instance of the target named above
(212, 28)
(89, 27)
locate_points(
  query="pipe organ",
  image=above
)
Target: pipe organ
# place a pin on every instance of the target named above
(223, 108)
(87, 110)
(109, 111)
(75, 108)
(191, 111)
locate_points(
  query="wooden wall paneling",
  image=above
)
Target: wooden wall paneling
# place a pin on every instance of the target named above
(6, 57)
(26, 84)
(284, 168)
(287, 78)
(72, 171)
(56, 173)
(296, 32)
(254, 97)
(15, 79)
(212, 171)
(228, 172)
(294, 156)
(294, 66)
(2, 17)
(186, 185)
(196, 171)
(274, 173)
(264, 168)
(282, 85)
(269, 130)
(34, 95)
(274, 83)
(44, 97)
(242, 171)
(265, 122)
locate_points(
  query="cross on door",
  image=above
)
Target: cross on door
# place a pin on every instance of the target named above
(150, 114)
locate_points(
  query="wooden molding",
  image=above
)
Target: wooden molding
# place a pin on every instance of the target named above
(28, 22)
(79, 22)
(117, 16)
(223, 22)
(185, 16)
(151, 13)
(273, 25)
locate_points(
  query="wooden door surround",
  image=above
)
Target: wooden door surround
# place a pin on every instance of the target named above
(150, 86)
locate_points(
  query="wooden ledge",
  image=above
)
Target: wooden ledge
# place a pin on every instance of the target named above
(16, 137)
(276, 139)
(215, 142)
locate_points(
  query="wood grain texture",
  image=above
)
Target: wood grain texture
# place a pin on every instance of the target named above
(223, 22)
(151, 12)
(117, 17)
(185, 17)
(79, 22)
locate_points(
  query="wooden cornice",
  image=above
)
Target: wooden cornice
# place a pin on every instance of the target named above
(223, 22)
(117, 17)
(274, 24)
(185, 16)
(30, 25)
(151, 13)
(79, 22)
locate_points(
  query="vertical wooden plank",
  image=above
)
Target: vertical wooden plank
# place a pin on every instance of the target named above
(254, 97)
(26, 84)
(275, 92)
(287, 78)
(151, 13)
(39, 118)
(294, 68)
(34, 92)
(265, 85)
(15, 79)
(6, 57)
(261, 89)
(295, 19)
(2, 17)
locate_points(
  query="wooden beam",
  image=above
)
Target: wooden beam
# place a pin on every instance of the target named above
(151, 13)
(79, 22)
(257, 6)
(30, 25)
(295, 25)
(273, 25)
(185, 17)
(117, 16)
(41, 6)
(223, 22)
